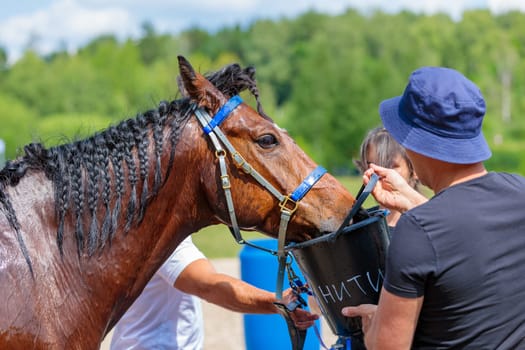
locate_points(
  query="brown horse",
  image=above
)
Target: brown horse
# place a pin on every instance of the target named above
(85, 225)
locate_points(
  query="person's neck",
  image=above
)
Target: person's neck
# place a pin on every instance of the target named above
(448, 174)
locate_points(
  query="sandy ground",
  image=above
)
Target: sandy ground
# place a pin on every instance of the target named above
(223, 328)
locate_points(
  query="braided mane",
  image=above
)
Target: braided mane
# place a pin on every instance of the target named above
(88, 175)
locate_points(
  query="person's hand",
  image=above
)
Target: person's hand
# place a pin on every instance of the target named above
(365, 311)
(392, 191)
(302, 319)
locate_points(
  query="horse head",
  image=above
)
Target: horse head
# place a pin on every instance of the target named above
(259, 146)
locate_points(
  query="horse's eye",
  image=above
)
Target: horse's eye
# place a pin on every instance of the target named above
(267, 141)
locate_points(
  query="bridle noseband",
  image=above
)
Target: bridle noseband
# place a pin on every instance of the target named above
(287, 203)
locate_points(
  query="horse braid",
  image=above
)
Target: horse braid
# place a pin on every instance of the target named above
(140, 130)
(176, 127)
(61, 183)
(77, 192)
(102, 164)
(128, 142)
(13, 221)
(158, 125)
(117, 161)
(92, 192)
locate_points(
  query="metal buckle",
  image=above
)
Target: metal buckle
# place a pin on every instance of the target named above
(287, 200)
(241, 163)
(220, 153)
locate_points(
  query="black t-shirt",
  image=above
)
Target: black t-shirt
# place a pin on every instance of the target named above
(464, 250)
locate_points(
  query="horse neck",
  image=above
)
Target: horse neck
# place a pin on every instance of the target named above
(176, 211)
(94, 288)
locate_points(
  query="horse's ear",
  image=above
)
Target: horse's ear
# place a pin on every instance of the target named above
(198, 88)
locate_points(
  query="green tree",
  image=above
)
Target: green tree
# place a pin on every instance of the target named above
(60, 128)
(154, 47)
(17, 122)
(3, 59)
(333, 102)
(320, 76)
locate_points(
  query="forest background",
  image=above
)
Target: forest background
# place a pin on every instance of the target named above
(321, 77)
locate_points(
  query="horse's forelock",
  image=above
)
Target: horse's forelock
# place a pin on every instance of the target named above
(232, 80)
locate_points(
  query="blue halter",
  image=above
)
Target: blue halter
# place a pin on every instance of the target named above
(222, 113)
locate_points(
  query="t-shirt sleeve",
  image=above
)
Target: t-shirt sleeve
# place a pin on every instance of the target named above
(411, 259)
(185, 253)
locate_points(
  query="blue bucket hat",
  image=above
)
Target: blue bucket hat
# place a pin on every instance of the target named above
(439, 116)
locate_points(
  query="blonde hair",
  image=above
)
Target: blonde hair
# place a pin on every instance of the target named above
(387, 149)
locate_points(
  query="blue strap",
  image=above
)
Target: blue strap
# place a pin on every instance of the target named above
(223, 112)
(307, 183)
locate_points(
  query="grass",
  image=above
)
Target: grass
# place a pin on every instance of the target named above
(217, 241)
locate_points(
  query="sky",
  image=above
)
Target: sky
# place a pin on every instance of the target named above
(50, 25)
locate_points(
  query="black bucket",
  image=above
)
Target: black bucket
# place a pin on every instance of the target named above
(346, 268)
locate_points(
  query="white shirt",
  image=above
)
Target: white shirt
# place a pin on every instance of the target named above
(163, 317)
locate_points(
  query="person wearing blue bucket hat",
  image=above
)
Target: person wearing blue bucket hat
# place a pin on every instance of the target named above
(455, 264)
(439, 116)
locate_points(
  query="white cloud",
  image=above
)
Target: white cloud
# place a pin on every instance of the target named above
(74, 22)
(210, 4)
(63, 22)
(500, 6)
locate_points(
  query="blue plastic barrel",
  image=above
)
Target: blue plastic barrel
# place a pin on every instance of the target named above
(263, 332)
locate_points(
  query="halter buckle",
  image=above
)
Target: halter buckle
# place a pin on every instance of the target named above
(241, 163)
(225, 180)
(288, 204)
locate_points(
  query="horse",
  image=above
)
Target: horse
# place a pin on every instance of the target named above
(85, 224)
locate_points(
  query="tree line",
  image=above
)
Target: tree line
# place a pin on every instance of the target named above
(321, 77)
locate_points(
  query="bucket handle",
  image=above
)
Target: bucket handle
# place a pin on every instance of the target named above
(363, 193)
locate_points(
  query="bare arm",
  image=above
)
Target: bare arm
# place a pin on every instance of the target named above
(391, 324)
(201, 279)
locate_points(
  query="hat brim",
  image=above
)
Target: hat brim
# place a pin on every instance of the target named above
(416, 139)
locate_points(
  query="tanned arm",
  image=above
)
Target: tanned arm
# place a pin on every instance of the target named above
(201, 279)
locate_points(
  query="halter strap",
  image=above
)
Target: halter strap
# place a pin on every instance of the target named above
(223, 112)
(308, 183)
(286, 215)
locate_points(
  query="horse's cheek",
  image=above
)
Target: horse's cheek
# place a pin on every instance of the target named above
(212, 190)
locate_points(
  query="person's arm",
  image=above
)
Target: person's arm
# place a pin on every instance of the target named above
(392, 191)
(201, 279)
(391, 324)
